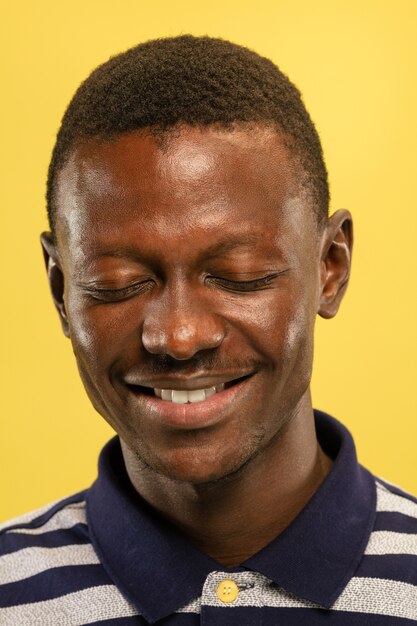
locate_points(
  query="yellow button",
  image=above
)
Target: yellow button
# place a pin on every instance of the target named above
(227, 591)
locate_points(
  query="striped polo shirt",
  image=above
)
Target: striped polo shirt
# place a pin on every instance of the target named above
(104, 557)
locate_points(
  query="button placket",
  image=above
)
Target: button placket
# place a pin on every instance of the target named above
(227, 590)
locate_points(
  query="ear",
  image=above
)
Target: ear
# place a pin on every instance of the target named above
(335, 262)
(55, 277)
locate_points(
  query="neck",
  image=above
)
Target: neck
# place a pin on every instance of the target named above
(233, 518)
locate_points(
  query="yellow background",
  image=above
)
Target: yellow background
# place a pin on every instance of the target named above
(355, 62)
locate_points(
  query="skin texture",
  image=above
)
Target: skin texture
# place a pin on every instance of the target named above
(185, 225)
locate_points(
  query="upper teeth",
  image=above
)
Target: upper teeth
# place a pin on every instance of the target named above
(182, 396)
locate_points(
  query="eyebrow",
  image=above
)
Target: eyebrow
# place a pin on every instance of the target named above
(225, 245)
(228, 244)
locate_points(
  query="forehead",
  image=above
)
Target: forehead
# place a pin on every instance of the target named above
(197, 179)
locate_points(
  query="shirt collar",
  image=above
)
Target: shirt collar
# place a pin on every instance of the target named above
(313, 558)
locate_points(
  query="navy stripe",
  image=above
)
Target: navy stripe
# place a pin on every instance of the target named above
(44, 517)
(318, 617)
(237, 616)
(397, 522)
(179, 619)
(400, 567)
(269, 616)
(12, 542)
(52, 584)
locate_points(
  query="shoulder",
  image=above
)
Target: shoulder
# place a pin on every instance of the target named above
(72, 506)
(384, 583)
(391, 552)
(50, 572)
(53, 536)
(395, 530)
(396, 506)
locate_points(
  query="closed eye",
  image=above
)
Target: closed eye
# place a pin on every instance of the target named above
(255, 284)
(114, 295)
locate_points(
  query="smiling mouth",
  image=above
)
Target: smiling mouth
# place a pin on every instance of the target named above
(184, 396)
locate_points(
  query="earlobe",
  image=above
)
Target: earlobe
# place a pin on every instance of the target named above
(335, 262)
(55, 278)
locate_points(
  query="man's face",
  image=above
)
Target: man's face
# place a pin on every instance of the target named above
(190, 265)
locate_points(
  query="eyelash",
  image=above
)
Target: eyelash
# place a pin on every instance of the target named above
(118, 293)
(232, 285)
(244, 285)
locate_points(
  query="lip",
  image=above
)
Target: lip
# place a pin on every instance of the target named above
(187, 384)
(191, 416)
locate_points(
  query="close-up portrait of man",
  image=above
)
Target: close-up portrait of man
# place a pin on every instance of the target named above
(189, 252)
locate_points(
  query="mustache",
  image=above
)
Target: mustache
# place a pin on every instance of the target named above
(164, 364)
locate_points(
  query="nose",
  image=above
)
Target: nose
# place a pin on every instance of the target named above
(179, 324)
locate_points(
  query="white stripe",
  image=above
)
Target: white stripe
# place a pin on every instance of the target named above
(81, 607)
(379, 596)
(389, 542)
(393, 503)
(28, 517)
(62, 520)
(254, 590)
(362, 595)
(34, 560)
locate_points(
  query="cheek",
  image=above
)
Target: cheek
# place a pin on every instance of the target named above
(279, 326)
(299, 330)
(99, 333)
(298, 345)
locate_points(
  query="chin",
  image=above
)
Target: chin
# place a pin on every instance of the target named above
(194, 456)
(200, 464)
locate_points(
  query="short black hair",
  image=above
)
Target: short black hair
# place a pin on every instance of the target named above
(199, 81)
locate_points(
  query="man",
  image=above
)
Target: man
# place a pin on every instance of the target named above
(189, 254)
